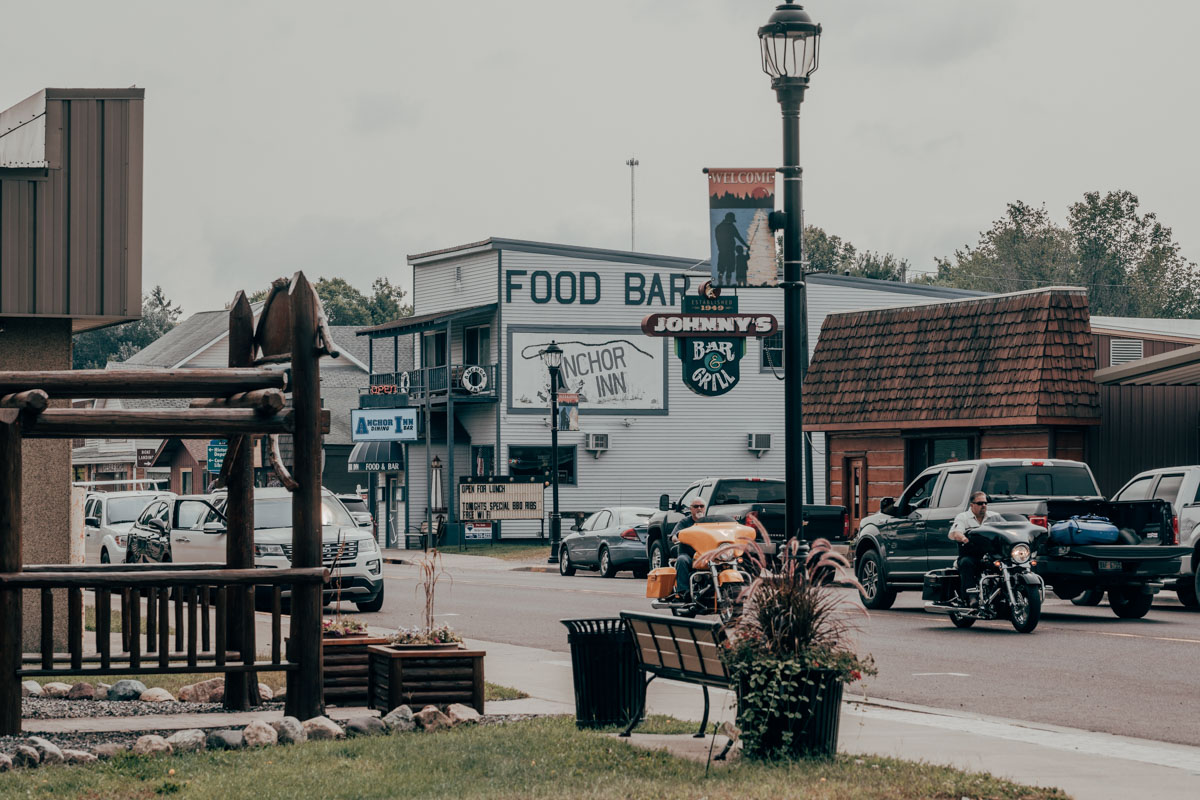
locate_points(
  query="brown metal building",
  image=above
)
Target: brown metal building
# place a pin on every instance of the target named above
(70, 259)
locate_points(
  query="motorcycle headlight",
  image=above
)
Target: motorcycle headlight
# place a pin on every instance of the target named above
(268, 550)
(1020, 553)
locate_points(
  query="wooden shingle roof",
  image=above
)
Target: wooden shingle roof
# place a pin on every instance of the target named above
(1025, 358)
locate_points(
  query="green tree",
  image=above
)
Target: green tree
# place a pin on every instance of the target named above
(1131, 261)
(94, 349)
(824, 252)
(346, 305)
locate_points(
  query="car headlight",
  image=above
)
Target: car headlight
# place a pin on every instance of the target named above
(1020, 553)
(268, 550)
(368, 546)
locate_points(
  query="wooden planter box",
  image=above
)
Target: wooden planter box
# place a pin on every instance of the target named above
(345, 662)
(424, 676)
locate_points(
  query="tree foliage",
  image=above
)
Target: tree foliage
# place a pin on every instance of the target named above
(827, 253)
(94, 349)
(1128, 261)
(346, 305)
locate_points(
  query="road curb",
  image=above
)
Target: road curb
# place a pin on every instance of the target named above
(535, 568)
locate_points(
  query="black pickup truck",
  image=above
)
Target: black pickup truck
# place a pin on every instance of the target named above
(909, 537)
(737, 498)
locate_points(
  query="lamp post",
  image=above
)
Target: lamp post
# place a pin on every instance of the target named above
(552, 357)
(789, 44)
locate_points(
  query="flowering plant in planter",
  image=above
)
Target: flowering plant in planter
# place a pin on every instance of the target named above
(427, 632)
(790, 652)
(343, 626)
(441, 634)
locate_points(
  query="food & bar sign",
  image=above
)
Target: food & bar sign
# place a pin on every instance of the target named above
(499, 497)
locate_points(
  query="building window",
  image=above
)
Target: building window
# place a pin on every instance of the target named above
(1122, 351)
(771, 352)
(925, 451)
(534, 460)
(477, 345)
(483, 460)
(433, 350)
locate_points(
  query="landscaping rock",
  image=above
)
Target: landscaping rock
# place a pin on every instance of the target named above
(48, 752)
(280, 694)
(225, 740)
(260, 734)
(82, 691)
(366, 726)
(78, 757)
(109, 749)
(265, 693)
(5, 763)
(56, 689)
(25, 756)
(323, 728)
(400, 718)
(151, 745)
(156, 696)
(102, 690)
(430, 719)
(189, 741)
(126, 690)
(209, 691)
(460, 714)
(289, 730)
(31, 689)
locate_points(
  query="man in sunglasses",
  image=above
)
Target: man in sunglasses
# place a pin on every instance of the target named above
(968, 558)
(683, 561)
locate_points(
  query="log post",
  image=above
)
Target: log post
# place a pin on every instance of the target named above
(305, 698)
(10, 561)
(241, 689)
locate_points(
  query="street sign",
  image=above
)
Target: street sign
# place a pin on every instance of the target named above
(500, 497)
(383, 424)
(145, 456)
(216, 454)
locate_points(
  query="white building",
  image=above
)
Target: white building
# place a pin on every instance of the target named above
(499, 302)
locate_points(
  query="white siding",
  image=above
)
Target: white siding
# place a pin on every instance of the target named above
(648, 454)
(454, 283)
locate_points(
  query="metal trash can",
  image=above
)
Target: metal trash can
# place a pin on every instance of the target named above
(609, 687)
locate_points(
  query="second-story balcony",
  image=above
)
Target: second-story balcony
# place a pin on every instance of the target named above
(467, 382)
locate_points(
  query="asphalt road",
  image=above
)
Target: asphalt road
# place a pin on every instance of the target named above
(1082, 667)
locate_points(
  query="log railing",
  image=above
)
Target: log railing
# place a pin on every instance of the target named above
(192, 599)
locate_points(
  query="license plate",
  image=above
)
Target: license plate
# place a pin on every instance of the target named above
(1110, 565)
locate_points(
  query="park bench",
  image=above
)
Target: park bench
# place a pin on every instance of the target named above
(679, 649)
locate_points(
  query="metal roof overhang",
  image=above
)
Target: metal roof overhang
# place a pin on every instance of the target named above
(426, 322)
(374, 456)
(1175, 368)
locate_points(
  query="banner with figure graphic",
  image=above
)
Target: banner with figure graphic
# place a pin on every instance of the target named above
(743, 246)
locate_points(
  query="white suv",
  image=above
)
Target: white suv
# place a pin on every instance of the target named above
(1179, 486)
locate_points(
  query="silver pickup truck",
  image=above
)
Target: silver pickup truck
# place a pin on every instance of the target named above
(1179, 486)
(909, 537)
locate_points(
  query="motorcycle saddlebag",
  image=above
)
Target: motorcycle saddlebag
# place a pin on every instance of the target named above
(1084, 530)
(660, 582)
(940, 585)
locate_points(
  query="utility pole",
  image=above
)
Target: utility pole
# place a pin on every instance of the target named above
(632, 163)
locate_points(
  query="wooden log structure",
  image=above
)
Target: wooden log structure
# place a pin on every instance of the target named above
(265, 401)
(102, 383)
(31, 400)
(75, 423)
(10, 561)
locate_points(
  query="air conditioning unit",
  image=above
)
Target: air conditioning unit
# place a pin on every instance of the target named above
(595, 443)
(758, 443)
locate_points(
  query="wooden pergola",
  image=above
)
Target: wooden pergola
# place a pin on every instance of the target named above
(234, 403)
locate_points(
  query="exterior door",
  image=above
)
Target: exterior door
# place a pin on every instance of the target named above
(854, 483)
(189, 542)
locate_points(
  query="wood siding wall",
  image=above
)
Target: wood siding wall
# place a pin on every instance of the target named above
(1143, 427)
(71, 234)
(1150, 347)
(884, 454)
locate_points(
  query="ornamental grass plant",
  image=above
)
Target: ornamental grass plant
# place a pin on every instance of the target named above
(791, 651)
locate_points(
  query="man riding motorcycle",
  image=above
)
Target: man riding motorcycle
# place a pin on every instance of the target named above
(968, 558)
(683, 560)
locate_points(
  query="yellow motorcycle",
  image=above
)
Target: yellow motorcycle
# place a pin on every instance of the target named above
(716, 581)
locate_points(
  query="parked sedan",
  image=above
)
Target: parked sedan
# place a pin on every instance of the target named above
(611, 540)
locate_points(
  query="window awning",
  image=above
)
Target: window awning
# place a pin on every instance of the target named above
(425, 322)
(376, 457)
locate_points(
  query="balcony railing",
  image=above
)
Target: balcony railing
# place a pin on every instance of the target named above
(465, 380)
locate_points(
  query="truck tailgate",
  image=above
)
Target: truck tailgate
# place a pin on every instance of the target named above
(1129, 552)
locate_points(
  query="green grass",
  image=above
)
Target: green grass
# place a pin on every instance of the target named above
(114, 620)
(540, 758)
(494, 691)
(509, 551)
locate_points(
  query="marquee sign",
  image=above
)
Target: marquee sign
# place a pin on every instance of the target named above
(500, 497)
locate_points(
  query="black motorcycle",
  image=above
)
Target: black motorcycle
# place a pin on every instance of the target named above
(1008, 587)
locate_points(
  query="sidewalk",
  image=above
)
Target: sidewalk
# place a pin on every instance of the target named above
(453, 559)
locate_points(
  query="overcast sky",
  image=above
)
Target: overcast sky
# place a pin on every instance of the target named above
(339, 137)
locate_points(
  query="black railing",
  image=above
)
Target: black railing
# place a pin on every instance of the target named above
(466, 380)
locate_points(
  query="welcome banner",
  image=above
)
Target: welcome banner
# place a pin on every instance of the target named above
(743, 247)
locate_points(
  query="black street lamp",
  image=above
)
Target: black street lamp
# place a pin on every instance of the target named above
(790, 42)
(552, 357)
